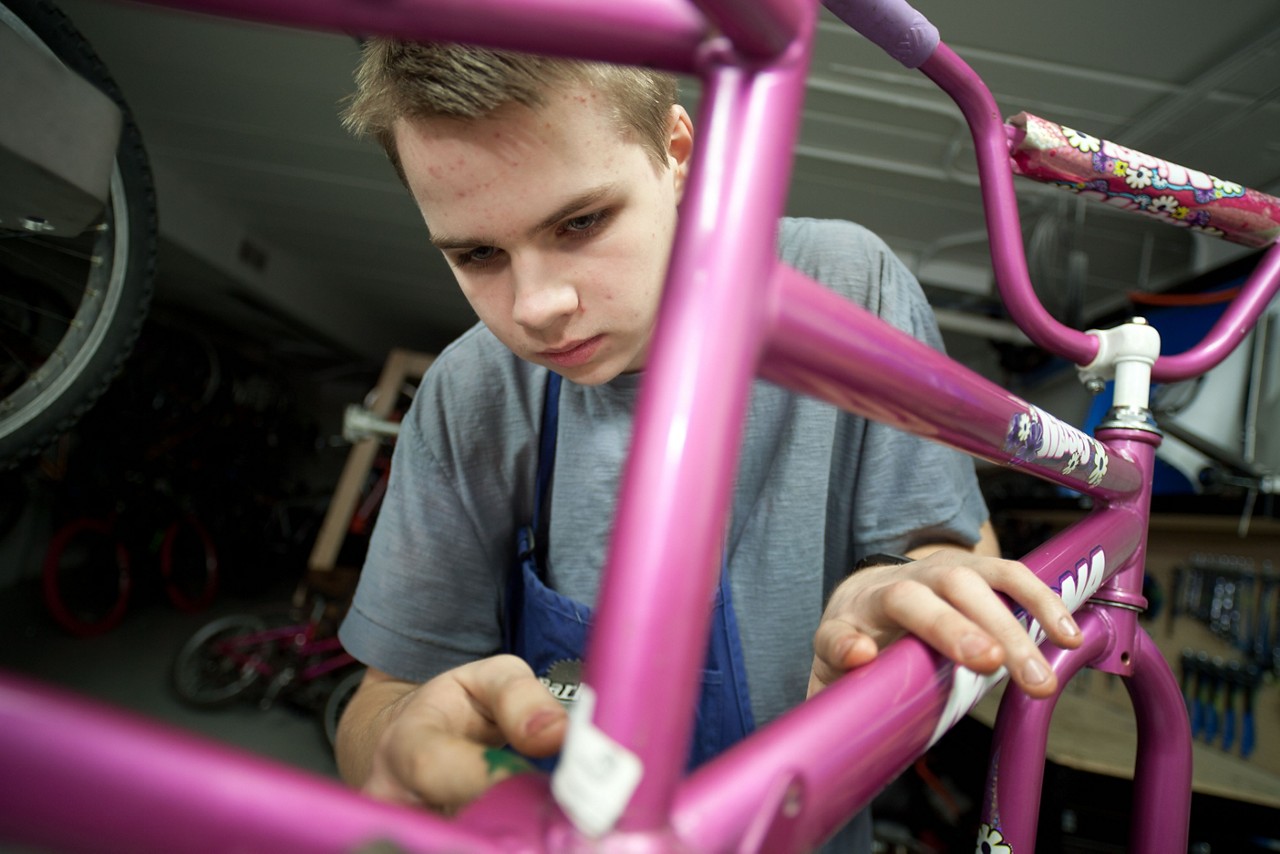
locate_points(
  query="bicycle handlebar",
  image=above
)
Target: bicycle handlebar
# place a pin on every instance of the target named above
(1231, 327)
(1000, 205)
(894, 25)
(1130, 180)
(1047, 152)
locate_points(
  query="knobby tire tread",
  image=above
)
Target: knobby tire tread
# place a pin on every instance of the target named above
(58, 33)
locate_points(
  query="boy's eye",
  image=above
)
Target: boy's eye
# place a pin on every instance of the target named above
(478, 255)
(582, 223)
(585, 224)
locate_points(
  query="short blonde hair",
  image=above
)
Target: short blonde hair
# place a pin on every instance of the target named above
(408, 80)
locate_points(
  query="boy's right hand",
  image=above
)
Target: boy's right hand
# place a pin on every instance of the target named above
(438, 744)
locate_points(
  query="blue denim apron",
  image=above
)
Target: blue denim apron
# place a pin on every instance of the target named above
(549, 630)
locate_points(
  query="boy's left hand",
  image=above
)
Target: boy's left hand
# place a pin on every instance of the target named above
(947, 599)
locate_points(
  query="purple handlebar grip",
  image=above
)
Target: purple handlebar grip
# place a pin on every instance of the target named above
(898, 29)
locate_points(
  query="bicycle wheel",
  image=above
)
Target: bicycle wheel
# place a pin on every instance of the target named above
(86, 577)
(204, 674)
(189, 564)
(337, 703)
(71, 307)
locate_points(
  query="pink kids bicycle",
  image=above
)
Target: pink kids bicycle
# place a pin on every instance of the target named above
(78, 776)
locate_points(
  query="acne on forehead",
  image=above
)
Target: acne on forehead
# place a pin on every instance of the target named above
(435, 153)
(467, 175)
(440, 187)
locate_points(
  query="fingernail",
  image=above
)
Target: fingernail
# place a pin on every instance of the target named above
(1034, 672)
(541, 720)
(974, 646)
(842, 650)
(1068, 627)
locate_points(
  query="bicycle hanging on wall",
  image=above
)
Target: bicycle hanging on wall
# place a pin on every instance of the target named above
(730, 313)
(77, 228)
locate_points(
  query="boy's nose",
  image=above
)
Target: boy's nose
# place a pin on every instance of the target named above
(542, 299)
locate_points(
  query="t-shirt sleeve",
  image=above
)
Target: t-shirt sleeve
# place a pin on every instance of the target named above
(912, 491)
(906, 490)
(428, 596)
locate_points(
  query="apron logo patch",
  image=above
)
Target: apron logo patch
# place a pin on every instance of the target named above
(563, 679)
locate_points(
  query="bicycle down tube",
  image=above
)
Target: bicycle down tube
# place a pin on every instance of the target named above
(730, 312)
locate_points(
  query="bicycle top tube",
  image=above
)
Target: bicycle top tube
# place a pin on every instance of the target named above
(660, 33)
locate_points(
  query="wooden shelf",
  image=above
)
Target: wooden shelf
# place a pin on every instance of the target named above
(1182, 523)
(400, 366)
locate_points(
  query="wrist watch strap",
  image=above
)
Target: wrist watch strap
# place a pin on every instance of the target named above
(881, 559)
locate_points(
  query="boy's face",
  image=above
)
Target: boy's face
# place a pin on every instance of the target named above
(557, 225)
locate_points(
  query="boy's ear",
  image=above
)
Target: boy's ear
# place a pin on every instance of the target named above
(679, 146)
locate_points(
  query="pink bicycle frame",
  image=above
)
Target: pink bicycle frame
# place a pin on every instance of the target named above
(247, 650)
(730, 312)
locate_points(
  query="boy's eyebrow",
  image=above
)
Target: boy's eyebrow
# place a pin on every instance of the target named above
(573, 205)
(445, 243)
(577, 203)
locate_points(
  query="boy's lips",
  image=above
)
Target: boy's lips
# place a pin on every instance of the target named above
(574, 353)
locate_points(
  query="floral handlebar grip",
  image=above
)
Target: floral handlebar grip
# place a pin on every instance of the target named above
(1131, 180)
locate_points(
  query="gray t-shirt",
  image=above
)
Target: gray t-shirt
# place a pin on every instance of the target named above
(816, 490)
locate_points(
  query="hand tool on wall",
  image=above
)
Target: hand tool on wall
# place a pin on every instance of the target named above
(1177, 595)
(1203, 699)
(1252, 677)
(1232, 680)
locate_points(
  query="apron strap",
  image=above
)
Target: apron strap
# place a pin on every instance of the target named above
(546, 469)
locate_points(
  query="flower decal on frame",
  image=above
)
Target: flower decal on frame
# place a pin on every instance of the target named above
(1224, 189)
(1164, 205)
(1130, 180)
(1082, 141)
(991, 841)
(1139, 177)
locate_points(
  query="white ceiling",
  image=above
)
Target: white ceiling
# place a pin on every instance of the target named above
(240, 123)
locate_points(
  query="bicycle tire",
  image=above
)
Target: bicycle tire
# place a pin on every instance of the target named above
(189, 564)
(44, 391)
(80, 591)
(203, 677)
(337, 703)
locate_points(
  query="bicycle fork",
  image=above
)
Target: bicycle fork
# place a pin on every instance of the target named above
(1113, 642)
(1162, 772)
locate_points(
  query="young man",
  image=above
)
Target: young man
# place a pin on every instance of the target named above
(552, 189)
